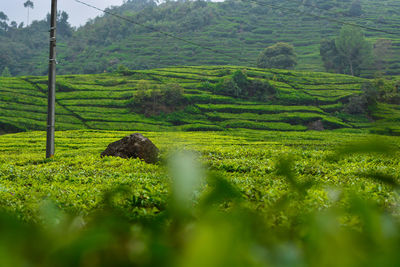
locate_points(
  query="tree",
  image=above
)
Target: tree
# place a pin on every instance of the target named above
(3, 21)
(6, 72)
(63, 26)
(29, 5)
(355, 9)
(280, 55)
(238, 85)
(348, 53)
(353, 49)
(330, 56)
(13, 25)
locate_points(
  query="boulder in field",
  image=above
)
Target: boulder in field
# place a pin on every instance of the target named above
(316, 125)
(133, 146)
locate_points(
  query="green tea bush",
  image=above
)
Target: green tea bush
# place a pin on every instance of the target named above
(362, 103)
(196, 127)
(281, 126)
(159, 99)
(280, 55)
(255, 202)
(64, 86)
(239, 86)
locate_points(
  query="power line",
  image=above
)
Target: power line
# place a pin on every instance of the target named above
(163, 32)
(320, 17)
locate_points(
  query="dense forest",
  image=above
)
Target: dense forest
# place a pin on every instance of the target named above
(233, 32)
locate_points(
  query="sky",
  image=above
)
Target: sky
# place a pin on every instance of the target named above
(78, 13)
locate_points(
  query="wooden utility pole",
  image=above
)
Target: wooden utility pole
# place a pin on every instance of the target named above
(52, 83)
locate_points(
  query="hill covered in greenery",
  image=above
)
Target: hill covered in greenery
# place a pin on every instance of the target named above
(237, 30)
(292, 101)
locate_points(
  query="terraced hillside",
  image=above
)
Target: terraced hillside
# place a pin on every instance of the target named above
(239, 29)
(101, 102)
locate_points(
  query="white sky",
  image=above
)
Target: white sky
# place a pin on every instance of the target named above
(78, 13)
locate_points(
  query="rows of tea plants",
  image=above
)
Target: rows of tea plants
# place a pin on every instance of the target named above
(101, 101)
(77, 177)
(234, 198)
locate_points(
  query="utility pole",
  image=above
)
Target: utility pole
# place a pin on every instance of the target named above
(52, 83)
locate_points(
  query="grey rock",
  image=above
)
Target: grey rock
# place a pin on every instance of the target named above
(316, 125)
(133, 146)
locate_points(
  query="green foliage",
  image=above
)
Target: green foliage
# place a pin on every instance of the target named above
(242, 29)
(280, 55)
(122, 69)
(105, 101)
(374, 92)
(349, 53)
(239, 86)
(363, 103)
(197, 127)
(330, 56)
(298, 198)
(356, 9)
(159, 99)
(383, 54)
(353, 48)
(6, 72)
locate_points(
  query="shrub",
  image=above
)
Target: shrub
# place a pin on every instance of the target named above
(238, 85)
(360, 104)
(159, 99)
(280, 56)
(123, 70)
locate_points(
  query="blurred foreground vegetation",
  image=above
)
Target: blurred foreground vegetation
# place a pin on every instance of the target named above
(228, 199)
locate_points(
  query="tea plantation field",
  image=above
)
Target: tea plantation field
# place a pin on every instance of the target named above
(77, 178)
(233, 198)
(102, 102)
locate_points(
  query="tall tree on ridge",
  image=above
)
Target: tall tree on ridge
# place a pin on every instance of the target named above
(353, 48)
(3, 21)
(29, 5)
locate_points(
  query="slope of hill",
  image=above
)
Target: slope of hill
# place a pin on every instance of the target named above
(240, 29)
(102, 101)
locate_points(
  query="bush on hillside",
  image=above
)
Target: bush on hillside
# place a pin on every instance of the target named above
(378, 90)
(153, 100)
(279, 56)
(238, 85)
(388, 92)
(124, 70)
(361, 104)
